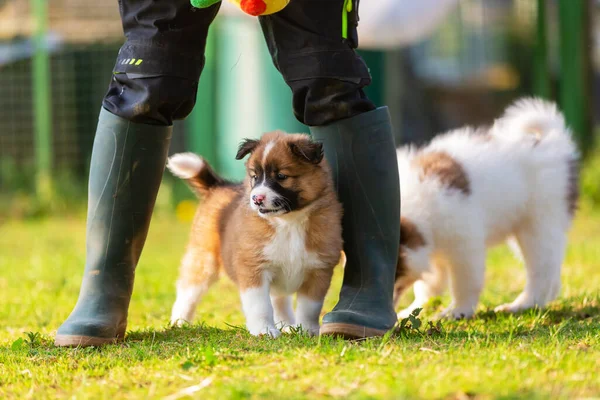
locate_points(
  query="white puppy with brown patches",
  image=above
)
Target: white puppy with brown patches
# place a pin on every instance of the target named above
(472, 189)
(276, 234)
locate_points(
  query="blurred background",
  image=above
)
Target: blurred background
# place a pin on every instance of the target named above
(437, 64)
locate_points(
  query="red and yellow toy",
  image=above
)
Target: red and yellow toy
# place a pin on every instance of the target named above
(252, 7)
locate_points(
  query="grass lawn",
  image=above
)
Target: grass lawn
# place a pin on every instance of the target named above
(539, 354)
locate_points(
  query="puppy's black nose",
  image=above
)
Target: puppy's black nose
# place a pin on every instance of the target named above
(258, 199)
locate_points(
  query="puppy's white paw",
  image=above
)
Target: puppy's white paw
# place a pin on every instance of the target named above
(456, 313)
(513, 307)
(311, 329)
(270, 331)
(404, 313)
(523, 302)
(178, 322)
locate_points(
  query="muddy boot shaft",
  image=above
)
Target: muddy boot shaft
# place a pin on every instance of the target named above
(126, 169)
(362, 155)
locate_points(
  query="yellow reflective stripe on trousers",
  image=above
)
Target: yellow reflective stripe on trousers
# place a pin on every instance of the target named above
(347, 8)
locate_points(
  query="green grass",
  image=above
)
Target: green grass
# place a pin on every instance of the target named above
(539, 354)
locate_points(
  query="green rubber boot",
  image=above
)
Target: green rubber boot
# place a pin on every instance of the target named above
(127, 164)
(362, 155)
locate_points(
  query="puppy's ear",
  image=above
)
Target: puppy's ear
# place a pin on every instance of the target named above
(246, 147)
(307, 150)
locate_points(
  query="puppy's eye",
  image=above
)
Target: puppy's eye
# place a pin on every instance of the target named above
(281, 177)
(253, 178)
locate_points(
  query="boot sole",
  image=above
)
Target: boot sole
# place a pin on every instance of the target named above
(83, 341)
(349, 331)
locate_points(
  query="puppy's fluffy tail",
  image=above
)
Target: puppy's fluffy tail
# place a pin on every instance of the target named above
(537, 129)
(535, 121)
(196, 172)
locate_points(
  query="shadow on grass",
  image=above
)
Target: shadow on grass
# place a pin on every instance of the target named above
(554, 314)
(522, 394)
(568, 318)
(197, 334)
(573, 317)
(531, 323)
(190, 332)
(202, 335)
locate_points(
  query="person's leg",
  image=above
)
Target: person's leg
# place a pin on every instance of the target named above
(318, 62)
(154, 82)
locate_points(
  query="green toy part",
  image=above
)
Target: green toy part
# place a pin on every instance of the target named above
(203, 3)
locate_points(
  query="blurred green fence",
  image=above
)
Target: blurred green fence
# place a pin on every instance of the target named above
(484, 55)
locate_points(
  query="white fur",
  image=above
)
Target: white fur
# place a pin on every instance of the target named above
(268, 149)
(287, 257)
(287, 261)
(270, 197)
(287, 264)
(519, 184)
(431, 284)
(188, 296)
(262, 189)
(185, 165)
(187, 299)
(259, 311)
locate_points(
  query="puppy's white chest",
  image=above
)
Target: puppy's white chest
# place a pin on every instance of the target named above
(287, 257)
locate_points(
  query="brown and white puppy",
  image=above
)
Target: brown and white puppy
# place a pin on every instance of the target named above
(276, 234)
(469, 190)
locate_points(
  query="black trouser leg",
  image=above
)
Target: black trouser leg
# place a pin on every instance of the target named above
(325, 74)
(158, 67)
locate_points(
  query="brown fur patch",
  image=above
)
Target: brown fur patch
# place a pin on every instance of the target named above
(316, 284)
(409, 234)
(410, 238)
(324, 227)
(573, 186)
(202, 259)
(445, 168)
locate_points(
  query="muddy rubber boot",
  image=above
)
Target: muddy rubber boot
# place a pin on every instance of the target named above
(362, 155)
(128, 161)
